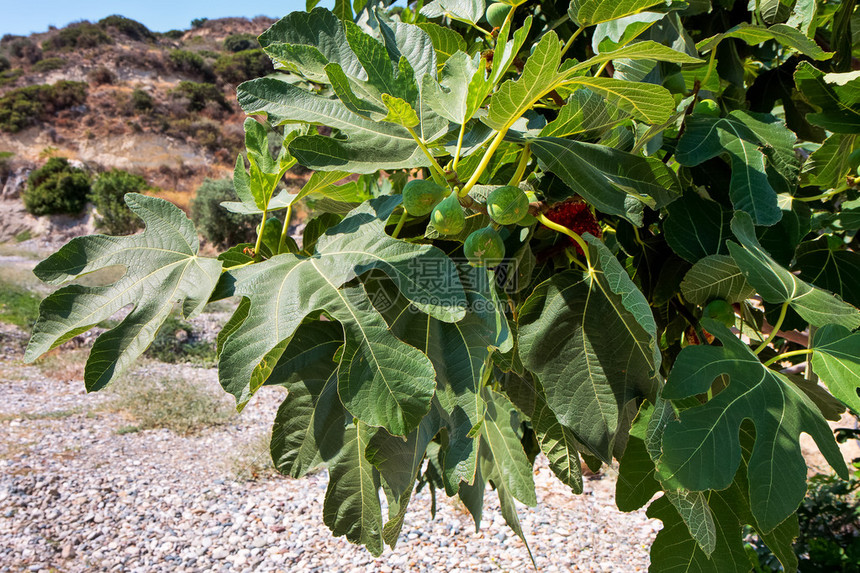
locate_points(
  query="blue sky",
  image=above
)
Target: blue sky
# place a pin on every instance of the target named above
(23, 17)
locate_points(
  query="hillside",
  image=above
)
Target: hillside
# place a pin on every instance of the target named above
(113, 94)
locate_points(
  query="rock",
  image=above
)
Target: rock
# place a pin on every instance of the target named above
(220, 553)
(68, 551)
(15, 183)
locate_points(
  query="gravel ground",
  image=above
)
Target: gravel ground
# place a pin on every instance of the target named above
(75, 495)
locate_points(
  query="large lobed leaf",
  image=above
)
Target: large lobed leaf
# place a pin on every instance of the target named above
(542, 74)
(162, 270)
(459, 353)
(761, 154)
(368, 74)
(676, 548)
(834, 96)
(638, 481)
(591, 12)
(702, 451)
(778, 285)
(614, 181)
(590, 338)
(715, 277)
(381, 380)
(836, 359)
(697, 227)
(756, 34)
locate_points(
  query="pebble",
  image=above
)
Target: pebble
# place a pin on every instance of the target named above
(220, 553)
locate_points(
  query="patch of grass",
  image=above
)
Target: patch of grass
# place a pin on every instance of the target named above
(15, 449)
(64, 364)
(25, 235)
(181, 199)
(18, 306)
(121, 431)
(172, 403)
(253, 460)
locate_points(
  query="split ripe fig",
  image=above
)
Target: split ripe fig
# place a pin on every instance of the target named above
(484, 247)
(420, 196)
(507, 205)
(448, 217)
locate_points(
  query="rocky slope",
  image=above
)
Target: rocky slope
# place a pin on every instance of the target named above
(160, 105)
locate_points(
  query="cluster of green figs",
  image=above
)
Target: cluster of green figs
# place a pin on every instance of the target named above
(507, 205)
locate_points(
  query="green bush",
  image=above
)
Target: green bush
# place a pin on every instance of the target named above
(189, 62)
(242, 66)
(114, 216)
(4, 64)
(199, 94)
(241, 42)
(141, 101)
(829, 519)
(56, 187)
(22, 48)
(5, 167)
(49, 64)
(198, 22)
(178, 405)
(100, 75)
(127, 27)
(204, 131)
(173, 34)
(9, 76)
(217, 225)
(26, 106)
(76, 36)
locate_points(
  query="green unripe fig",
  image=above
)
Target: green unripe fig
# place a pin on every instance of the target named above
(528, 219)
(496, 14)
(420, 196)
(484, 247)
(507, 205)
(707, 107)
(448, 217)
(675, 83)
(854, 161)
(721, 311)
